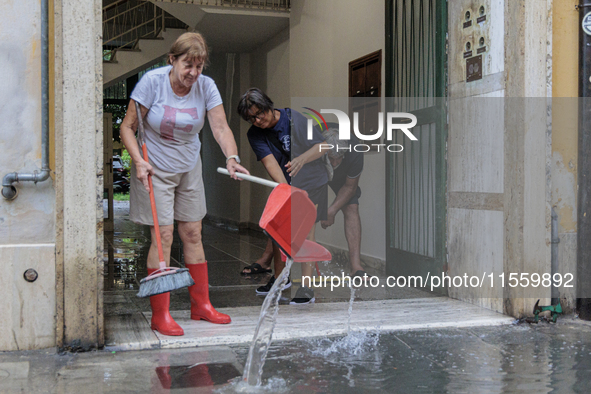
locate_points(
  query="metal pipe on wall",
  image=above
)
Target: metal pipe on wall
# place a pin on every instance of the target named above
(9, 191)
(555, 240)
(584, 170)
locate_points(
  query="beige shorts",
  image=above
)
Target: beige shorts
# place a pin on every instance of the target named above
(178, 197)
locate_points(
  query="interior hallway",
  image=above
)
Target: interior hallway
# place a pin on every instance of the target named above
(228, 251)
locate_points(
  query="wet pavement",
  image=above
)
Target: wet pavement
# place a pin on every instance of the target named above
(508, 358)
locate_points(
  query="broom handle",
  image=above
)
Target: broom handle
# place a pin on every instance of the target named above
(154, 213)
(250, 178)
(152, 199)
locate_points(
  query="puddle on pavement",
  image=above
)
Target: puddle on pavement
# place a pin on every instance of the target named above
(508, 359)
(493, 359)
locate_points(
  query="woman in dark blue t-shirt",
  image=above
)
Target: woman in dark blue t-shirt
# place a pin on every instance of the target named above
(278, 137)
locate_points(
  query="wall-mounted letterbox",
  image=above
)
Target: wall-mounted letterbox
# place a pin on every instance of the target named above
(474, 32)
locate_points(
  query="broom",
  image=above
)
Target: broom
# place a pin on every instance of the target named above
(164, 279)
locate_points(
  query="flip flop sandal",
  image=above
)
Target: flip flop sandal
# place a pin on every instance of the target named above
(255, 269)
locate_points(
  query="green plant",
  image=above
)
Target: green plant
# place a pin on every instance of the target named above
(126, 158)
(121, 196)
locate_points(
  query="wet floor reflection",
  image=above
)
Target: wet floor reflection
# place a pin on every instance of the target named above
(199, 375)
(124, 260)
(126, 254)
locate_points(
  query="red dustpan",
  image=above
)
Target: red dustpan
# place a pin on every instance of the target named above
(288, 218)
(310, 252)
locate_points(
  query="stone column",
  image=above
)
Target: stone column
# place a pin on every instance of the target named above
(499, 140)
(79, 183)
(527, 140)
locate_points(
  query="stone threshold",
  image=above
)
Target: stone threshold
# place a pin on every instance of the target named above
(132, 331)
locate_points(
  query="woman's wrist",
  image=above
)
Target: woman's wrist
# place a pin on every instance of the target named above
(233, 157)
(139, 161)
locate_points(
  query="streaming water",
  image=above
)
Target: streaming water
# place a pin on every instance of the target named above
(350, 309)
(355, 343)
(263, 334)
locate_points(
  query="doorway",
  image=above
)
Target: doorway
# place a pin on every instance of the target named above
(416, 81)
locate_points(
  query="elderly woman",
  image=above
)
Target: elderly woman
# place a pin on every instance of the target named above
(174, 102)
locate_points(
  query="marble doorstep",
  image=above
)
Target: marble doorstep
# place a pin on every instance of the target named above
(129, 332)
(324, 319)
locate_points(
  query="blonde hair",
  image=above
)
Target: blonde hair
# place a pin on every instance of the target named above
(191, 44)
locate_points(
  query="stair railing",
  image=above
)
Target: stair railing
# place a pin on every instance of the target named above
(276, 5)
(125, 22)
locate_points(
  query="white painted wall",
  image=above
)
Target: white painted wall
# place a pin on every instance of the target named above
(270, 69)
(267, 68)
(222, 193)
(54, 227)
(29, 218)
(27, 224)
(325, 35)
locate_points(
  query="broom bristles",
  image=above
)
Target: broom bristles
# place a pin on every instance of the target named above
(163, 284)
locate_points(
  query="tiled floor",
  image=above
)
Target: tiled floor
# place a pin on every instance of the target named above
(228, 251)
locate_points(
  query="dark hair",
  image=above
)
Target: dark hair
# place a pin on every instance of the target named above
(254, 96)
(331, 136)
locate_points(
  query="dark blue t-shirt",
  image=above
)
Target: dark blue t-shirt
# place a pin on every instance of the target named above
(293, 144)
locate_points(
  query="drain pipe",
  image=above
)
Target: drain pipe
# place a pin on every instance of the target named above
(584, 171)
(555, 240)
(10, 192)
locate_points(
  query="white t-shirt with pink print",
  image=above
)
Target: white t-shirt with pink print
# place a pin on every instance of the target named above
(173, 123)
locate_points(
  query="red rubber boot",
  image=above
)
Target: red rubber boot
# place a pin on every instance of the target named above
(161, 319)
(201, 308)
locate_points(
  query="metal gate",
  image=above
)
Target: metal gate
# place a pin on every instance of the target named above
(416, 177)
